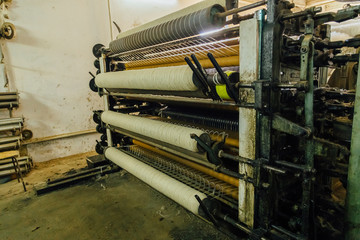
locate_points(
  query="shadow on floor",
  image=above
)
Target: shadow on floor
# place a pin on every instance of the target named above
(117, 206)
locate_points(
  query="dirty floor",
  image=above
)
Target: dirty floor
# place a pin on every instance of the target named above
(116, 206)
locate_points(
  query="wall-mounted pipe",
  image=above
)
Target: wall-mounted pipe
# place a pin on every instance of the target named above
(353, 183)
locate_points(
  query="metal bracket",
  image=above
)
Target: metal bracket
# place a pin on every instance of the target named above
(212, 156)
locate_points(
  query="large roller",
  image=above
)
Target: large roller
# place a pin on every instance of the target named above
(189, 25)
(173, 189)
(165, 132)
(178, 78)
(185, 11)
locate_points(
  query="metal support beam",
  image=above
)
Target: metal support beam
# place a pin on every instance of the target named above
(353, 185)
(307, 74)
(102, 60)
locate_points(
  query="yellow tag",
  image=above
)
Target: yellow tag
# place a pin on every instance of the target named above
(221, 89)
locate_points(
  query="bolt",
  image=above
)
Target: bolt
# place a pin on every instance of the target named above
(304, 50)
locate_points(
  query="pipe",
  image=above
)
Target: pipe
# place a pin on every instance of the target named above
(9, 98)
(9, 146)
(231, 180)
(9, 104)
(59, 136)
(228, 141)
(353, 183)
(19, 159)
(241, 9)
(10, 120)
(11, 165)
(10, 127)
(12, 171)
(173, 189)
(10, 139)
(206, 63)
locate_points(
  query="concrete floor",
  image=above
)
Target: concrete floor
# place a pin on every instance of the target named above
(117, 206)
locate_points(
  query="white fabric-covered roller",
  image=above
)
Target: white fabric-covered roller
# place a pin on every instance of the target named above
(169, 17)
(165, 132)
(173, 189)
(177, 78)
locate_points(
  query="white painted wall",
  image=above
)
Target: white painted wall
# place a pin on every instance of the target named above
(48, 63)
(49, 60)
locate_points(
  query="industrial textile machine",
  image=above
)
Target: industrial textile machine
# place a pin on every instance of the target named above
(226, 111)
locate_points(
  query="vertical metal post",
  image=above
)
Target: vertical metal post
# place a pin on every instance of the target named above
(353, 183)
(106, 98)
(270, 70)
(307, 74)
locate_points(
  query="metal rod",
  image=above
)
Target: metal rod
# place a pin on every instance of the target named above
(241, 9)
(239, 159)
(59, 136)
(234, 223)
(353, 183)
(105, 97)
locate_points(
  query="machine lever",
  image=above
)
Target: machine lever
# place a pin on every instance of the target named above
(232, 92)
(212, 156)
(207, 212)
(205, 87)
(92, 74)
(211, 90)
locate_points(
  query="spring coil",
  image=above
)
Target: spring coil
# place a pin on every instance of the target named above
(226, 124)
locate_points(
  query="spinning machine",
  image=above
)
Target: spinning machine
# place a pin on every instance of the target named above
(224, 110)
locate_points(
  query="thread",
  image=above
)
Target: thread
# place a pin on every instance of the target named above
(173, 189)
(194, 23)
(178, 78)
(165, 132)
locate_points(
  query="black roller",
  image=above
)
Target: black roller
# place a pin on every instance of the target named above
(103, 137)
(96, 117)
(100, 129)
(189, 25)
(99, 148)
(97, 50)
(97, 63)
(93, 86)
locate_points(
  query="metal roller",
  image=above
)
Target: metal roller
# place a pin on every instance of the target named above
(165, 132)
(192, 24)
(205, 63)
(179, 78)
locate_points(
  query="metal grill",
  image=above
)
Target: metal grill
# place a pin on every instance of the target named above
(191, 177)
